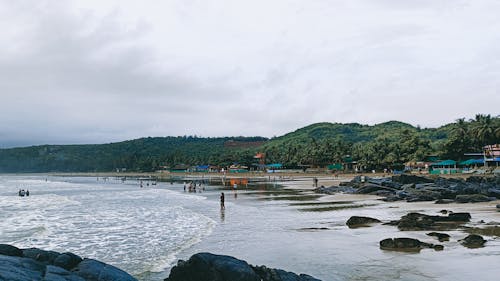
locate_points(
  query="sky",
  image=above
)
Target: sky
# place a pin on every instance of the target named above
(99, 71)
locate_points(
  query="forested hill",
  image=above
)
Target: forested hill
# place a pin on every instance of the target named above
(385, 144)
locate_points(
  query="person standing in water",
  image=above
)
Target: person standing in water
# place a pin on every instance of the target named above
(222, 201)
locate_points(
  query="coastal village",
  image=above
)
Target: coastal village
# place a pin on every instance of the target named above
(484, 162)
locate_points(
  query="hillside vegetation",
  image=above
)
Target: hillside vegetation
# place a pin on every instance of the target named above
(379, 146)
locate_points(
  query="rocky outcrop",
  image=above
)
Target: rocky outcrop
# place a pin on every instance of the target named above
(418, 221)
(35, 264)
(473, 241)
(412, 188)
(356, 221)
(440, 236)
(210, 267)
(406, 245)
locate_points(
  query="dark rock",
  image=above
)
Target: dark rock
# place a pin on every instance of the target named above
(55, 273)
(271, 274)
(440, 236)
(46, 257)
(455, 217)
(356, 221)
(473, 241)
(210, 267)
(472, 198)
(444, 212)
(14, 268)
(444, 201)
(404, 244)
(36, 264)
(67, 260)
(438, 247)
(369, 188)
(206, 266)
(417, 221)
(93, 270)
(9, 250)
(410, 179)
(498, 206)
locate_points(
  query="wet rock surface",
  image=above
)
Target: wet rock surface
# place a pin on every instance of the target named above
(412, 188)
(35, 264)
(406, 245)
(211, 267)
(473, 241)
(357, 221)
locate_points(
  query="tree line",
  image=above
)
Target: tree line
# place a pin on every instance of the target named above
(374, 147)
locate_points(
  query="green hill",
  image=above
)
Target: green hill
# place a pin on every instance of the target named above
(382, 145)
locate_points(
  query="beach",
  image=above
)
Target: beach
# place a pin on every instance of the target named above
(278, 223)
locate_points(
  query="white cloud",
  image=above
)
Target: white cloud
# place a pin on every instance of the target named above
(100, 71)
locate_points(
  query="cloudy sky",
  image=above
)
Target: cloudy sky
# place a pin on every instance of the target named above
(103, 71)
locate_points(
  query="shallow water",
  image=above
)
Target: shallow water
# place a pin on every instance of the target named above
(144, 231)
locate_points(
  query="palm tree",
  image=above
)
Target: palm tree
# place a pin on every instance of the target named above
(483, 129)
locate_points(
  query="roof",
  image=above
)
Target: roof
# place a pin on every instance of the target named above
(472, 162)
(445, 163)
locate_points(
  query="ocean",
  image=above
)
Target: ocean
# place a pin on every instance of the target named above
(144, 231)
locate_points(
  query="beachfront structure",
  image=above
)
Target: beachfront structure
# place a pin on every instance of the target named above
(444, 167)
(492, 155)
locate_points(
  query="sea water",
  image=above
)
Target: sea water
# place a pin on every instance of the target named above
(137, 229)
(145, 230)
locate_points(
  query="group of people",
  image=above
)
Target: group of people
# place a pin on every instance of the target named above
(23, 192)
(192, 186)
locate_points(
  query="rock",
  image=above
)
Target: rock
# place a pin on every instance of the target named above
(46, 257)
(498, 206)
(36, 264)
(438, 247)
(210, 267)
(55, 273)
(411, 179)
(271, 274)
(67, 260)
(473, 241)
(14, 268)
(94, 270)
(417, 221)
(444, 201)
(440, 236)
(356, 221)
(206, 266)
(369, 188)
(472, 198)
(9, 250)
(404, 244)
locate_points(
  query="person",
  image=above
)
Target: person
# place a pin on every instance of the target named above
(27, 192)
(222, 200)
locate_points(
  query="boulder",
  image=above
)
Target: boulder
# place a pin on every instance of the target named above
(271, 274)
(473, 241)
(418, 221)
(9, 250)
(93, 270)
(444, 201)
(356, 221)
(440, 236)
(46, 257)
(406, 245)
(35, 264)
(373, 188)
(472, 198)
(411, 179)
(67, 260)
(210, 267)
